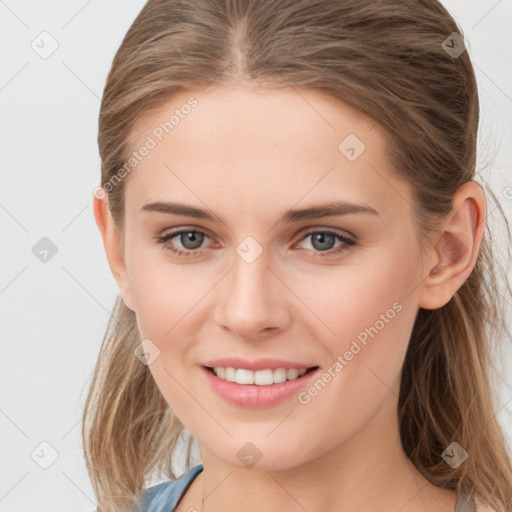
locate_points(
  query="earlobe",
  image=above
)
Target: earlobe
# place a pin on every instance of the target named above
(113, 246)
(455, 252)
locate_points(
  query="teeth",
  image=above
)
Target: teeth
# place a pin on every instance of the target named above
(260, 377)
(230, 374)
(244, 376)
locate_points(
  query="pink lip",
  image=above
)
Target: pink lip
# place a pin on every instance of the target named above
(260, 364)
(254, 396)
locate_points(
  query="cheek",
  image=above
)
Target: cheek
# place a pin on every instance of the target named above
(164, 293)
(366, 356)
(351, 298)
(369, 311)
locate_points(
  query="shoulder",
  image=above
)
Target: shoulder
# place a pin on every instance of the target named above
(165, 496)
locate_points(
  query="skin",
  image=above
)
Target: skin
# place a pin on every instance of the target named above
(248, 155)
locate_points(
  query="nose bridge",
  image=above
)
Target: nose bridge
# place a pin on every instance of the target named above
(252, 298)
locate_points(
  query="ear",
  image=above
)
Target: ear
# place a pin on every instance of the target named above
(456, 246)
(112, 241)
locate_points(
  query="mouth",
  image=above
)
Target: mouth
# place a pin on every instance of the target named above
(263, 377)
(260, 388)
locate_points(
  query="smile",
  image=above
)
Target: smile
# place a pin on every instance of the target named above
(264, 377)
(255, 389)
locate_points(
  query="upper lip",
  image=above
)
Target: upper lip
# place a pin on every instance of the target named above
(260, 364)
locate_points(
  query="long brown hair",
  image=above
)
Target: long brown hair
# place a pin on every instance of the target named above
(390, 60)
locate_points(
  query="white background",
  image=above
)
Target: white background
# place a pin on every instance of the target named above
(54, 314)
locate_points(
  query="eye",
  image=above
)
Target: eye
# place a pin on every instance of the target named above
(323, 242)
(190, 239)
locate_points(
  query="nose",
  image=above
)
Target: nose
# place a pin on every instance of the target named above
(253, 302)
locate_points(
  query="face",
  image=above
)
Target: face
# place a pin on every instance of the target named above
(252, 278)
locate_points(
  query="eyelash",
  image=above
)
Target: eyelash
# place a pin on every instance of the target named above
(347, 242)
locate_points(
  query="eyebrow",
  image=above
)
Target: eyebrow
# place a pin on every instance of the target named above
(313, 212)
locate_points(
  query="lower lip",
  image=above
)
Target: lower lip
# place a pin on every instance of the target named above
(254, 396)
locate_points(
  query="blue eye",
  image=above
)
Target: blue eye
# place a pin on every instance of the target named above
(190, 239)
(322, 242)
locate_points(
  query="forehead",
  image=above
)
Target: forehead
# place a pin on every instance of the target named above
(275, 144)
(269, 115)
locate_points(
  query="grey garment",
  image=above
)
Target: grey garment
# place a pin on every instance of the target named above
(165, 496)
(464, 504)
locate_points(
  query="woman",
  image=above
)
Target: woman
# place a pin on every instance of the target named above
(288, 204)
